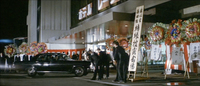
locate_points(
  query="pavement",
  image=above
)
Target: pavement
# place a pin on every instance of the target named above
(155, 78)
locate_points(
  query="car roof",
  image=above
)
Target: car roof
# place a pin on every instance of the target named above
(51, 54)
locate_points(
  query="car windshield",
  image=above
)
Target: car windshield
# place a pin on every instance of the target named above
(67, 57)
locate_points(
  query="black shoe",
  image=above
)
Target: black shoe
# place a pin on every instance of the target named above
(114, 80)
(106, 78)
(93, 79)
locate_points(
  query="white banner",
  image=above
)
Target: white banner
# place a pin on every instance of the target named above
(136, 38)
(177, 56)
(194, 51)
(155, 52)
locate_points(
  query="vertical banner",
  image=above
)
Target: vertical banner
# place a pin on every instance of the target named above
(194, 51)
(177, 56)
(155, 52)
(136, 38)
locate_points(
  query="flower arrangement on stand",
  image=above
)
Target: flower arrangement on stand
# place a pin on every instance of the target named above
(41, 47)
(10, 49)
(23, 48)
(192, 29)
(33, 48)
(157, 33)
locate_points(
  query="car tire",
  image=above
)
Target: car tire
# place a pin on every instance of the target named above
(79, 71)
(31, 72)
(41, 74)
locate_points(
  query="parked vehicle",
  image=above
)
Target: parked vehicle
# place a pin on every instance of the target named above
(52, 62)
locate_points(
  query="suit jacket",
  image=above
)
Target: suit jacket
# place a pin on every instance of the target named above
(17, 58)
(25, 58)
(104, 59)
(2, 60)
(95, 59)
(120, 54)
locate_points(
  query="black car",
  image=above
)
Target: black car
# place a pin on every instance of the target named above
(52, 62)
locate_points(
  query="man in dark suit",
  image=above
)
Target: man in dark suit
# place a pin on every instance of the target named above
(17, 58)
(2, 62)
(32, 57)
(10, 61)
(95, 59)
(105, 60)
(25, 57)
(121, 59)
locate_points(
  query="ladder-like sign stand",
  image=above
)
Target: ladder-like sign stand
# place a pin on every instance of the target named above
(185, 67)
(135, 42)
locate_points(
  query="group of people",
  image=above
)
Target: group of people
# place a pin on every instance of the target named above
(7, 61)
(101, 60)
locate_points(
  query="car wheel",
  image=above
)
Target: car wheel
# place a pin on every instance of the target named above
(41, 74)
(31, 72)
(79, 71)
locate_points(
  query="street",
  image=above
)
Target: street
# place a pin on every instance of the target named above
(52, 79)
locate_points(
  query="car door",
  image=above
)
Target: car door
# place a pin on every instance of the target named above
(67, 64)
(54, 63)
(42, 63)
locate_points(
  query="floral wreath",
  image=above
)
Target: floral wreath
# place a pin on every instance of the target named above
(192, 30)
(33, 48)
(124, 43)
(109, 43)
(175, 32)
(157, 33)
(147, 43)
(10, 49)
(41, 47)
(23, 47)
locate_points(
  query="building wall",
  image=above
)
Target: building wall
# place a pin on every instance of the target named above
(32, 21)
(55, 18)
(108, 15)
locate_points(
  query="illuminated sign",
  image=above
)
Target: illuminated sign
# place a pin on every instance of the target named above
(113, 1)
(105, 3)
(85, 11)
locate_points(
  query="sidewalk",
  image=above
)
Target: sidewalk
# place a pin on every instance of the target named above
(155, 78)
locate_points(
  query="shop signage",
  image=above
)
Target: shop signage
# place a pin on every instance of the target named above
(155, 52)
(177, 56)
(135, 45)
(105, 3)
(85, 11)
(195, 51)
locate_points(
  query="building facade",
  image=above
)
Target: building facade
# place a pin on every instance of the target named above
(74, 26)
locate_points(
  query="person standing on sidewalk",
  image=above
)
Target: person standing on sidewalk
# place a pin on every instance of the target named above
(105, 62)
(95, 59)
(121, 59)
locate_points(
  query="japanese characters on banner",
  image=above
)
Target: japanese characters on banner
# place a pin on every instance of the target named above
(194, 51)
(155, 52)
(136, 38)
(177, 56)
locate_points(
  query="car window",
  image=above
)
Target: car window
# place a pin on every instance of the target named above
(41, 58)
(67, 57)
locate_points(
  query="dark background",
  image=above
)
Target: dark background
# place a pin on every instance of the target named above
(13, 14)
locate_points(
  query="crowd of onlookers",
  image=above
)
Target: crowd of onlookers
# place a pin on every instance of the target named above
(6, 61)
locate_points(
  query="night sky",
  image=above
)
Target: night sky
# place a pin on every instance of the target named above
(13, 14)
